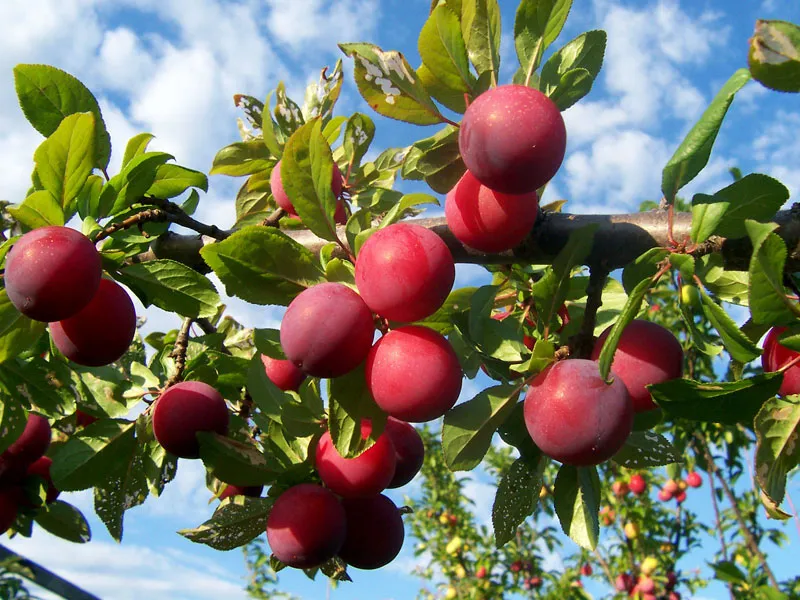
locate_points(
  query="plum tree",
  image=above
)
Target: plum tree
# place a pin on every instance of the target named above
(409, 451)
(52, 273)
(434, 388)
(776, 356)
(282, 198)
(574, 416)
(422, 271)
(487, 220)
(374, 532)
(367, 474)
(513, 139)
(102, 331)
(327, 330)
(41, 468)
(283, 373)
(185, 409)
(306, 526)
(647, 353)
(254, 491)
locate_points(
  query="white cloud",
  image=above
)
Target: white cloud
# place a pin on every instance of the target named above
(777, 150)
(132, 572)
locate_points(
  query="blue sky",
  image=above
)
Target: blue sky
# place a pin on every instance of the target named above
(171, 67)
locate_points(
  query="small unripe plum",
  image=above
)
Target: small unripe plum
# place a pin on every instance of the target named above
(8, 509)
(586, 570)
(481, 572)
(671, 487)
(182, 411)
(327, 330)
(254, 491)
(513, 139)
(646, 585)
(374, 532)
(664, 495)
(283, 373)
(776, 356)
(102, 331)
(620, 488)
(487, 220)
(680, 497)
(52, 273)
(306, 526)
(367, 474)
(414, 374)
(408, 449)
(282, 199)
(404, 272)
(637, 484)
(574, 416)
(41, 468)
(647, 353)
(694, 480)
(33, 442)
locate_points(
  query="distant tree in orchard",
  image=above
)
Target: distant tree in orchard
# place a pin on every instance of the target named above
(599, 379)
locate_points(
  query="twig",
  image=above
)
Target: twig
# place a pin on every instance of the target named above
(581, 345)
(208, 328)
(745, 531)
(272, 220)
(148, 215)
(179, 217)
(179, 352)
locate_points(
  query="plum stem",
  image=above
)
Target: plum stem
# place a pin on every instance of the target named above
(273, 218)
(582, 343)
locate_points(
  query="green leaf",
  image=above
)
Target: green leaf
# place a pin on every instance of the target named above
(43, 385)
(442, 49)
(727, 286)
(91, 454)
(755, 196)
(235, 462)
(266, 395)
(569, 74)
(321, 97)
(172, 286)
(65, 521)
(577, 501)
(235, 523)
(537, 25)
(40, 209)
(480, 26)
(17, 332)
(88, 201)
(436, 159)
(287, 113)
(551, 290)
(128, 187)
(728, 571)
(358, 135)
(774, 56)
(173, 180)
(13, 419)
(767, 297)
(268, 341)
(469, 427)
(242, 158)
(262, 265)
(399, 210)
(390, 86)
(627, 315)
(647, 449)
(136, 146)
(351, 401)
(643, 267)
(777, 427)
(47, 95)
(64, 160)
(738, 345)
(457, 301)
(517, 496)
(453, 100)
(728, 402)
(693, 153)
(306, 173)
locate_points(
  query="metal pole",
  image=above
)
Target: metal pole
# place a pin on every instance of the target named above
(47, 579)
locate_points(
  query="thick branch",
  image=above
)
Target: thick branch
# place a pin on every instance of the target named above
(618, 240)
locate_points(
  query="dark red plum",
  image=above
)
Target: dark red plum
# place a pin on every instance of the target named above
(409, 451)
(374, 532)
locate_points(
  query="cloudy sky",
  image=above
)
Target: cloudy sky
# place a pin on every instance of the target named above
(171, 67)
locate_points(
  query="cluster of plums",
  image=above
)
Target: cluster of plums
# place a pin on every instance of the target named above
(53, 274)
(512, 140)
(21, 465)
(577, 418)
(644, 586)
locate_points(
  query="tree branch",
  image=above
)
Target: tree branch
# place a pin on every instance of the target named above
(618, 240)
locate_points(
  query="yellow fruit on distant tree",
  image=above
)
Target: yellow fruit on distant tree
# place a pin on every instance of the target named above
(631, 530)
(451, 593)
(649, 565)
(454, 545)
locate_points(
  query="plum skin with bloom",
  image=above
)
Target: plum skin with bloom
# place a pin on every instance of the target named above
(574, 416)
(374, 532)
